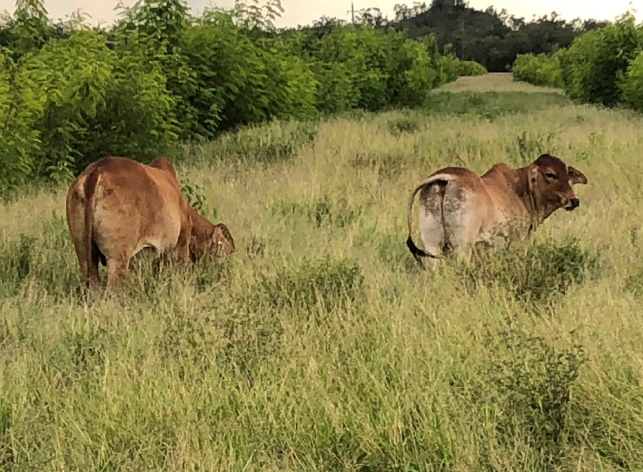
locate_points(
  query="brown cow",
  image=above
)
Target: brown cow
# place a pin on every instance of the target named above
(460, 210)
(117, 207)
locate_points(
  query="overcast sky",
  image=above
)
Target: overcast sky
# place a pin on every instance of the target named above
(305, 11)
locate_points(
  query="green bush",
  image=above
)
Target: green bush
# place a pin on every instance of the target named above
(537, 275)
(19, 111)
(598, 60)
(95, 103)
(471, 68)
(78, 94)
(533, 381)
(542, 69)
(323, 283)
(632, 85)
(274, 143)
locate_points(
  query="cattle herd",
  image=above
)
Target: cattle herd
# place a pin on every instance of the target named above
(117, 207)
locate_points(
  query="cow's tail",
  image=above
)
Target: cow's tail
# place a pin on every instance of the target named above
(91, 183)
(416, 251)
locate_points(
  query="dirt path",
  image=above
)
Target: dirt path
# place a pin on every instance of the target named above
(493, 82)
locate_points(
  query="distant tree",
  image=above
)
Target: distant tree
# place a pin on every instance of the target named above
(371, 17)
(31, 27)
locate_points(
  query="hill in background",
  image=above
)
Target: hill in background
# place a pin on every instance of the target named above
(492, 38)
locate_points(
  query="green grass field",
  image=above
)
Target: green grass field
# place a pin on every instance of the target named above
(320, 346)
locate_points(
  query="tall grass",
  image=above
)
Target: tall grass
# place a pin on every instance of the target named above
(319, 345)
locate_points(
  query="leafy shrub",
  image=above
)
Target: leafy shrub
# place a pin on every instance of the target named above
(194, 196)
(324, 283)
(634, 283)
(541, 69)
(96, 104)
(78, 94)
(403, 124)
(471, 68)
(279, 142)
(388, 165)
(533, 382)
(19, 110)
(324, 211)
(537, 275)
(632, 85)
(597, 61)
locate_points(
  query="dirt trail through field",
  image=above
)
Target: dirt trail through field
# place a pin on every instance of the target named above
(493, 82)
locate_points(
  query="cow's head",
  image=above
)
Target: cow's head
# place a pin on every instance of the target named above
(214, 241)
(551, 181)
(222, 241)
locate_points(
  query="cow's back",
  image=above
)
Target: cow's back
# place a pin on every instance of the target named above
(136, 206)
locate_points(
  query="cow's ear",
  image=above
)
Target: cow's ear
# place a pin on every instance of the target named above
(576, 176)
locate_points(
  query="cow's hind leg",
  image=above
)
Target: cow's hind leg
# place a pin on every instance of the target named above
(431, 224)
(93, 280)
(117, 269)
(461, 222)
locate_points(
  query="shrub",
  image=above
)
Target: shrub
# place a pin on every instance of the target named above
(537, 275)
(471, 68)
(278, 142)
(632, 85)
(404, 124)
(95, 103)
(324, 283)
(321, 212)
(533, 381)
(541, 69)
(597, 61)
(194, 196)
(19, 111)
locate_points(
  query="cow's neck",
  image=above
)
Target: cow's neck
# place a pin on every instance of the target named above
(528, 198)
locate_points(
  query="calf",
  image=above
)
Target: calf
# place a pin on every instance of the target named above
(459, 209)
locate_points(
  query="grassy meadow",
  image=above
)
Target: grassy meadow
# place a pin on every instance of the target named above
(320, 345)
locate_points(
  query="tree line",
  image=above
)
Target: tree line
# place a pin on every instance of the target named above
(603, 66)
(491, 37)
(71, 93)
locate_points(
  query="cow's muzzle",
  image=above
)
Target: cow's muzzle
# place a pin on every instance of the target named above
(573, 204)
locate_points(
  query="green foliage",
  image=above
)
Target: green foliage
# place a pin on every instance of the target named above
(598, 60)
(491, 104)
(194, 196)
(602, 66)
(96, 104)
(538, 275)
(471, 68)
(541, 69)
(264, 145)
(322, 283)
(632, 85)
(77, 94)
(533, 382)
(19, 111)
